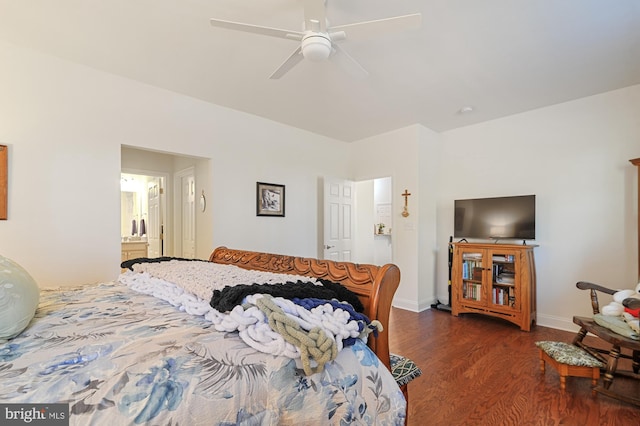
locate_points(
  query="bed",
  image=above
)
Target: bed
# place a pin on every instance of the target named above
(146, 350)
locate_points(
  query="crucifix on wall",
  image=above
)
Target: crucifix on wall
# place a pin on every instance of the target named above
(405, 211)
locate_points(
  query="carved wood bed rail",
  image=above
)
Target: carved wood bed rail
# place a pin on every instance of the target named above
(374, 285)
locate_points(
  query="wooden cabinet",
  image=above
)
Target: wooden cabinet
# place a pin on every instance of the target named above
(133, 250)
(494, 279)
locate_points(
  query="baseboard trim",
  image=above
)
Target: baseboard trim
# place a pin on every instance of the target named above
(551, 321)
(411, 305)
(559, 323)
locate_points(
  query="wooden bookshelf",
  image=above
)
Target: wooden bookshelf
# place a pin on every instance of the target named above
(494, 279)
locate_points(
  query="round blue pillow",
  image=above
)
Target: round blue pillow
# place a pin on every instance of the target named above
(19, 296)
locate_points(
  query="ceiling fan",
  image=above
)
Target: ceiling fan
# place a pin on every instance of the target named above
(319, 41)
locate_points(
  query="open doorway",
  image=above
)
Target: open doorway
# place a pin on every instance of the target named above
(357, 220)
(174, 225)
(374, 221)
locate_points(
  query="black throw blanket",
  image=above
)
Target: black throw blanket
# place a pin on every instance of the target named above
(226, 299)
(128, 264)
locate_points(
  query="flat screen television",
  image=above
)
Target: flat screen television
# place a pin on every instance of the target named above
(496, 218)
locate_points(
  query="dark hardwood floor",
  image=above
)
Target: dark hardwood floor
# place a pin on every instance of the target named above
(478, 370)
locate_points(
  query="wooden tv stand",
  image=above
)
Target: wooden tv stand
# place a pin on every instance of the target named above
(494, 279)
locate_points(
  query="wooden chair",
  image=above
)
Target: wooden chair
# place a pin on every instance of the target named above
(621, 346)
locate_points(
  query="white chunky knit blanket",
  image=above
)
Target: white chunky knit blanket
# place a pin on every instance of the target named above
(202, 278)
(189, 286)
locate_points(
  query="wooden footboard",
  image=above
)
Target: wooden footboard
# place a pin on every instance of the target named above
(374, 285)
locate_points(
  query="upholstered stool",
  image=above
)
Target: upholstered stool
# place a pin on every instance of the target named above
(569, 360)
(404, 370)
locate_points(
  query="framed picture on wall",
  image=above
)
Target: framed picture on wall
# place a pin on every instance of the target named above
(269, 199)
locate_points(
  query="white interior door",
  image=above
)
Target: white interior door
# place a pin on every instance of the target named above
(338, 219)
(155, 225)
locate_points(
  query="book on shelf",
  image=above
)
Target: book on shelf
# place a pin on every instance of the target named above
(505, 277)
(471, 270)
(503, 258)
(477, 274)
(472, 291)
(505, 280)
(503, 296)
(472, 256)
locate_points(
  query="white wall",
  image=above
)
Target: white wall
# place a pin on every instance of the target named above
(64, 125)
(575, 157)
(405, 155)
(430, 169)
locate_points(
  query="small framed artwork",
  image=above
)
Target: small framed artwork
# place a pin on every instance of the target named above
(269, 199)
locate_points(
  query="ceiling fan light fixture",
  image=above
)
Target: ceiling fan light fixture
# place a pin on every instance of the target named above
(319, 41)
(316, 47)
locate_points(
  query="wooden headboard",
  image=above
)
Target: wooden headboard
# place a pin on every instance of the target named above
(374, 285)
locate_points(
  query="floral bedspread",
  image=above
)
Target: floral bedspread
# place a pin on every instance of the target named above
(119, 357)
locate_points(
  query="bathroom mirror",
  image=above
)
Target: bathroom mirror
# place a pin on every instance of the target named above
(130, 205)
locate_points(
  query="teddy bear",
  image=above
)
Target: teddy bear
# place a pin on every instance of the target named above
(616, 308)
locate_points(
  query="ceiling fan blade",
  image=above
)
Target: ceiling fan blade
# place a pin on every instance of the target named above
(272, 32)
(314, 10)
(370, 29)
(289, 63)
(350, 65)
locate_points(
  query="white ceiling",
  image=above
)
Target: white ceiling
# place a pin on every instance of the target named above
(499, 56)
